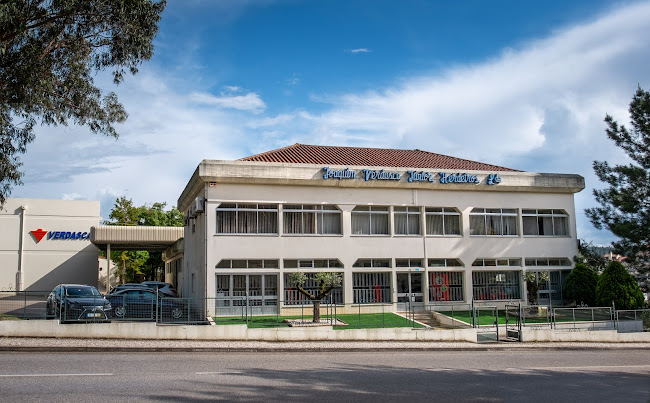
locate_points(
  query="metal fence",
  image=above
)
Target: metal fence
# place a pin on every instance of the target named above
(596, 318)
(628, 321)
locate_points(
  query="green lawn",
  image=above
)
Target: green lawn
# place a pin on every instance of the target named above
(354, 321)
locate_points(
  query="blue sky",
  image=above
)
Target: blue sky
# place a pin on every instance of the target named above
(523, 84)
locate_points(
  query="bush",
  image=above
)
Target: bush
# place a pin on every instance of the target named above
(617, 285)
(581, 285)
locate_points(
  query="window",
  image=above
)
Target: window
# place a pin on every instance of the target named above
(371, 288)
(408, 263)
(496, 285)
(312, 263)
(239, 218)
(312, 219)
(497, 262)
(370, 220)
(545, 222)
(247, 264)
(442, 221)
(372, 263)
(446, 286)
(493, 221)
(407, 220)
(234, 290)
(294, 297)
(445, 263)
(548, 261)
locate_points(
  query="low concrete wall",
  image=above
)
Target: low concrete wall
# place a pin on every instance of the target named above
(130, 330)
(151, 331)
(598, 336)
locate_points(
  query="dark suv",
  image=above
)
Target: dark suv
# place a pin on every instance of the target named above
(77, 303)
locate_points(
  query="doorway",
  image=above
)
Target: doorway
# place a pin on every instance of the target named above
(409, 288)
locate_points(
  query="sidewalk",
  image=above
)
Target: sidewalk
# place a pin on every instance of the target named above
(16, 344)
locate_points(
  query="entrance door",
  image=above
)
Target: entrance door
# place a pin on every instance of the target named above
(409, 288)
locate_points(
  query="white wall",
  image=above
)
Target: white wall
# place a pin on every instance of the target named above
(50, 261)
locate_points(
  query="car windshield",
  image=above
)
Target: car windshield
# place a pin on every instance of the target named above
(81, 291)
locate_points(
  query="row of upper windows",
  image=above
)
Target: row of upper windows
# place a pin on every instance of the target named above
(379, 263)
(238, 218)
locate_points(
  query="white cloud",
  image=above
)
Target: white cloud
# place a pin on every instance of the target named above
(249, 102)
(358, 50)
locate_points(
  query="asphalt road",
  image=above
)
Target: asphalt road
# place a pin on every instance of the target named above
(531, 376)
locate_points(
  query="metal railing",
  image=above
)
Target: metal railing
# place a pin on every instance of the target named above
(595, 318)
(634, 320)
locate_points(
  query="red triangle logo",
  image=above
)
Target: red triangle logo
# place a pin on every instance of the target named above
(39, 234)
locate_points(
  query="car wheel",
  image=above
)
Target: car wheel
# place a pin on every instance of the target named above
(177, 313)
(120, 312)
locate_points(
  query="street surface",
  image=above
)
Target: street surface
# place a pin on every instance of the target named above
(537, 376)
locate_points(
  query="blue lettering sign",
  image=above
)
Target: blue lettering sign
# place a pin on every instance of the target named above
(419, 176)
(372, 174)
(457, 178)
(339, 174)
(493, 179)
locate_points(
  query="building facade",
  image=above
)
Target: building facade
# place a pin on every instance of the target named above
(398, 225)
(47, 242)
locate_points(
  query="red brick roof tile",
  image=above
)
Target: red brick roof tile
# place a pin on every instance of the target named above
(382, 157)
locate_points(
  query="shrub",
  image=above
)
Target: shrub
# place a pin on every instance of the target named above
(617, 285)
(581, 285)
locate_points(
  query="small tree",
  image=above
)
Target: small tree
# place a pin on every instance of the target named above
(618, 286)
(326, 283)
(581, 285)
(532, 285)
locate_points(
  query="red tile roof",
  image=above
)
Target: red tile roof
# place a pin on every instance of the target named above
(382, 157)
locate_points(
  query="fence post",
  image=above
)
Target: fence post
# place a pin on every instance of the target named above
(574, 318)
(25, 304)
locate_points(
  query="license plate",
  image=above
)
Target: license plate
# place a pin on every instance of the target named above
(94, 315)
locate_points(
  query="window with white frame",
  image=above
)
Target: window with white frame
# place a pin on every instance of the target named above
(493, 221)
(408, 263)
(496, 285)
(370, 220)
(497, 262)
(372, 263)
(407, 220)
(245, 218)
(247, 264)
(445, 263)
(371, 288)
(312, 263)
(545, 222)
(443, 221)
(311, 219)
(547, 261)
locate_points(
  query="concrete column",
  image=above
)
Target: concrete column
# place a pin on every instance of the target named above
(21, 247)
(108, 268)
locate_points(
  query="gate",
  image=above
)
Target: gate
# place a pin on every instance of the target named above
(486, 322)
(513, 322)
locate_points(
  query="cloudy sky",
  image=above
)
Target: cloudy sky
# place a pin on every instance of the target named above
(523, 84)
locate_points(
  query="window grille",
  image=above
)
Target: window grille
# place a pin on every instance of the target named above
(294, 297)
(496, 285)
(371, 288)
(446, 286)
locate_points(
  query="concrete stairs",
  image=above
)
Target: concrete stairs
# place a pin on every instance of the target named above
(423, 317)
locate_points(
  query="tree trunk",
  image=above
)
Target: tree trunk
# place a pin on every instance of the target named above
(316, 311)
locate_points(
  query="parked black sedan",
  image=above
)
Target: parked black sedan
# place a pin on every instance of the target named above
(77, 303)
(143, 303)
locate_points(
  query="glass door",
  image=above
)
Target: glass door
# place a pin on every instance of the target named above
(409, 288)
